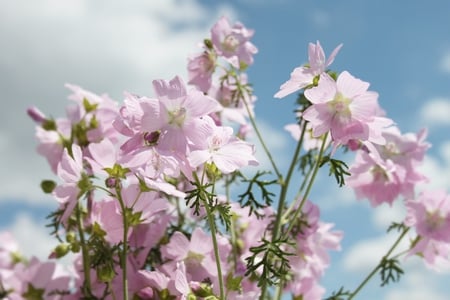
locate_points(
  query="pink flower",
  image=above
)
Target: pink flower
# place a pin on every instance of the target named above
(70, 170)
(8, 248)
(304, 76)
(197, 254)
(391, 170)
(42, 277)
(217, 144)
(98, 112)
(313, 241)
(200, 70)
(309, 141)
(233, 42)
(177, 113)
(429, 213)
(346, 109)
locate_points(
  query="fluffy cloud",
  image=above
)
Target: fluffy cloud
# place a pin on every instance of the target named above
(32, 236)
(444, 64)
(436, 111)
(437, 169)
(103, 46)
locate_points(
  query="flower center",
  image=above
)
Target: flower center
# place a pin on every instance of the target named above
(340, 105)
(177, 116)
(230, 43)
(215, 143)
(379, 174)
(434, 220)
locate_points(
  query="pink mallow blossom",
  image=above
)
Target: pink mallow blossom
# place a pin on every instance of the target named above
(391, 170)
(303, 76)
(429, 214)
(345, 108)
(175, 113)
(200, 70)
(233, 42)
(70, 170)
(218, 145)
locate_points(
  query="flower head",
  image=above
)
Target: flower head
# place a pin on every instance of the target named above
(233, 42)
(345, 108)
(303, 76)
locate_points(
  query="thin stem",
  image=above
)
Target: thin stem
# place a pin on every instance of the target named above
(297, 197)
(234, 249)
(261, 140)
(84, 251)
(124, 254)
(285, 186)
(212, 227)
(377, 267)
(310, 184)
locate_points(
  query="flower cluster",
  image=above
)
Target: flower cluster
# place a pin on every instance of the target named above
(146, 205)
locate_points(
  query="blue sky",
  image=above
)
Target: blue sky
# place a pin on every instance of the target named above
(401, 48)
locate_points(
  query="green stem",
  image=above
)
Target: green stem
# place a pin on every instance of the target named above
(85, 253)
(124, 254)
(234, 246)
(212, 227)
(310, 184)
(285, 186)
(261, 140)
(377, 267)
(297, 197)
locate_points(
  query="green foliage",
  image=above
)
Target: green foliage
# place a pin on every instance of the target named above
(33, 293)
(223, 209)
(341, 294)
(397, 226)
(338, 168)
(195, 197)
(269, 262)
(249, 199)
(233, 283)
(48, 186)
(390, 271)
(55, 223)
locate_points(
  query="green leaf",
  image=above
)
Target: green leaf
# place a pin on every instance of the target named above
(338, 168)
(390, 271)
(88, 106)
(234, 283)
(249, 199)
(48, 186)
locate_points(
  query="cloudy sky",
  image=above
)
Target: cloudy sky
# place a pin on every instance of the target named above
(403, 50)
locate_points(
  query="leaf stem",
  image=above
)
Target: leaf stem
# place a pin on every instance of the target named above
(212, 227)
(261, 140)
(124, 254)
(378, 266)
(285, 185)
(310, 184)
(85, 253)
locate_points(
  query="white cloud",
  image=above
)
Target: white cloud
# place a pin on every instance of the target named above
(384, 215)
(417, 284)
(33, 237)
(444, 64)
(103, 46)
(320, 19)
(365, 254)
(437, 169)
(436, 111)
